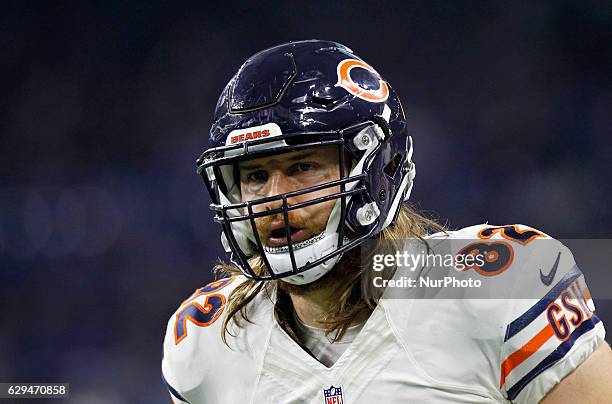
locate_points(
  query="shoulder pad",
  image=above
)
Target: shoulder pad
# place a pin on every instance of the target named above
(194, 332)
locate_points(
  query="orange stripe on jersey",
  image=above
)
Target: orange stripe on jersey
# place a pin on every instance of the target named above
(524, 352)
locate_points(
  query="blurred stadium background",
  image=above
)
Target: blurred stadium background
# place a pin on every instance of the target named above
(104, 225)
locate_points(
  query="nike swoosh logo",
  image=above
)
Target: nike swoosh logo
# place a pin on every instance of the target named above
(547, 279)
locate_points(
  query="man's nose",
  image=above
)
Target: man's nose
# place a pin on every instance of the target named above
(277, 184)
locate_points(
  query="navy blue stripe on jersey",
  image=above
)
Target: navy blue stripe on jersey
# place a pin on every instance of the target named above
(554, 356)
(172, 390)
(526, 318)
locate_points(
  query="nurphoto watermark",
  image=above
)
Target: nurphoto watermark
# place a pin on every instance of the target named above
(484, 268)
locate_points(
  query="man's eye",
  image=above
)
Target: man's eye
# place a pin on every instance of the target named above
(305, 167)
(258, 176)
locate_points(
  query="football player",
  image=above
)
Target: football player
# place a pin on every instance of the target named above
(310, 161)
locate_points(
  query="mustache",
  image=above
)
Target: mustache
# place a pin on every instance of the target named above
(296, 220)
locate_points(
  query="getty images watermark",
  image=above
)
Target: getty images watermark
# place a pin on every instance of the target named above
(413, 262)
(510, 266)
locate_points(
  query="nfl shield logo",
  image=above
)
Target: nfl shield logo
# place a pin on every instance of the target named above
(333, 395)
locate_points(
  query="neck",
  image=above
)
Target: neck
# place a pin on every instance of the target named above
(317, 303)
(311, 306)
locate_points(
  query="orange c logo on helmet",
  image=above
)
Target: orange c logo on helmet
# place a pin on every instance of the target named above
(345, 81)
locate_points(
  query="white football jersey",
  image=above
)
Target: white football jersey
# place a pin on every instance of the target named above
(469, 349)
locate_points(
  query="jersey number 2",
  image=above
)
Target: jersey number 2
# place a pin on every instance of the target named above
(198, 314)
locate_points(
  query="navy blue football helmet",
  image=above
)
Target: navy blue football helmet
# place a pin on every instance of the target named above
(300, 95)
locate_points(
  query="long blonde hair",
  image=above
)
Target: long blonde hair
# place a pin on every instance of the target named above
(356, 295)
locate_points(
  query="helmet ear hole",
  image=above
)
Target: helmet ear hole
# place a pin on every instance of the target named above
(392, 168)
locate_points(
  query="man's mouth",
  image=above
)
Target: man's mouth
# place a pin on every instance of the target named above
(304, 241)
(278, 236)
